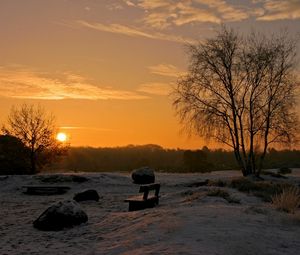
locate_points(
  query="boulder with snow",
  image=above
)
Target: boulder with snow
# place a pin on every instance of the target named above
(144, 175)
(86, 195)
(63, 214)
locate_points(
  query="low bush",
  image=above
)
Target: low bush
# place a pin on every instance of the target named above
(193, 195)
(284, 170)
(262, 189)
(223, 194)
(275, 175)
(243, 184)
(217, 183)
(287, 201)
(218, 193)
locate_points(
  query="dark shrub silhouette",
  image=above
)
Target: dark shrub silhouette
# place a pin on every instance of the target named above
(13, 156)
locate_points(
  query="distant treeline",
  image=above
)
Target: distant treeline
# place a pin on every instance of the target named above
(166, 160)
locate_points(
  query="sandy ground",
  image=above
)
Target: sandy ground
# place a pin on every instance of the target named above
(185, 222)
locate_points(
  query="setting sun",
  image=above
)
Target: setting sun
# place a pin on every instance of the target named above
(62, 137)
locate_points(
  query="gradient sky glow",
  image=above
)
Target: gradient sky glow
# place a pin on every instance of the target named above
(105, 67)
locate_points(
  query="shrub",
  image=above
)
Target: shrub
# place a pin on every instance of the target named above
(13, 156)
(287, 201)
(275, 175)
(193, 195)
(223, 194)
(284, 170)
(262, 189)
(218, 183)
(218, 193)
(243, 184)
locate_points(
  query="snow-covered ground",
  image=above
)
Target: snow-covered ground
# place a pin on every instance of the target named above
(185, 222)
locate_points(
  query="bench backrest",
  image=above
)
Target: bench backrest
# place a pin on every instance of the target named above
(147, 188)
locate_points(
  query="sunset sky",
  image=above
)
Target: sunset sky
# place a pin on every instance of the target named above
(105, 67)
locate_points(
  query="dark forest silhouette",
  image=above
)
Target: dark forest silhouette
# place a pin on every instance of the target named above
(167, 160)
(14, 159)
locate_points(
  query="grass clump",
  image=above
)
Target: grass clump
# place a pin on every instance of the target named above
(193, 195)
(223, 194)
(262, 189)
(218, 193)
(243, 185)
(217, 183)
(275, 175)
(284, 170)
(287, 201)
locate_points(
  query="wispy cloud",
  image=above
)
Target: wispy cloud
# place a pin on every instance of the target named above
(114, 6)
(129, 3)
(25, 83)
(116, 28)
(279, 10)
(87, 128)
(156, 88)
(153, 4)
(226, 11)
(132, 31)
(162, 14)
(165, 70)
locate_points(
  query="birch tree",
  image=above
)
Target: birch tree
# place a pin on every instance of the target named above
(241, 92)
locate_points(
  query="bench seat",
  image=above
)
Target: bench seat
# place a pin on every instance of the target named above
(144, 201)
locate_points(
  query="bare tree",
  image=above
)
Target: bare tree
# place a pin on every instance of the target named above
(241, 92)
(36, 129)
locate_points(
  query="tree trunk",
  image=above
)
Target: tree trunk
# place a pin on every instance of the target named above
(262, 158)
(33, 162)
(240, 162)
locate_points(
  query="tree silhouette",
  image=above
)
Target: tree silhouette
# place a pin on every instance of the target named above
(240, 91)
(36, 129)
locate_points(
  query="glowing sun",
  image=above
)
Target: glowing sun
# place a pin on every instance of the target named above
(62, 137)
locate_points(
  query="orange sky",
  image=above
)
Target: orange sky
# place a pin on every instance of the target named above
(105, 68)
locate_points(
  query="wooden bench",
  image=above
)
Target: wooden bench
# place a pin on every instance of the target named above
(144, 201)
(45, 190)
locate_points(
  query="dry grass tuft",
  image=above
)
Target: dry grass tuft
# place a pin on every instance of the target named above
(263, 189)
(217, 183)
(287, 201)
(223, 194)
(196, 195)
(284, 170)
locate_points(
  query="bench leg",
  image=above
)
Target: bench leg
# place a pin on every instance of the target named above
(135, 206)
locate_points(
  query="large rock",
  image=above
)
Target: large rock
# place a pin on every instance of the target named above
(89, 194)
(61, 215)
(144, 175)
